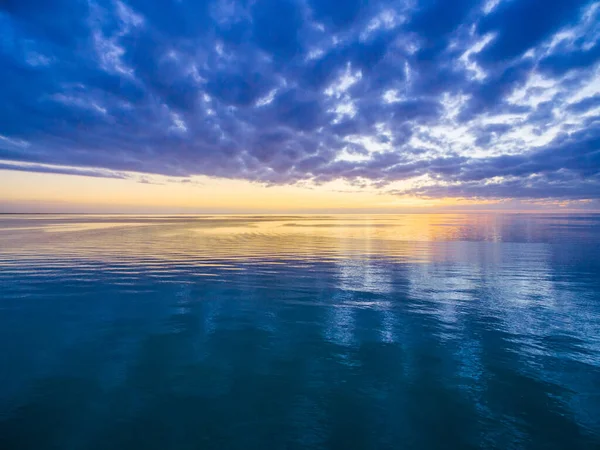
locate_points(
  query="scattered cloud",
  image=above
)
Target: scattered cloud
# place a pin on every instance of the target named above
(472, 99)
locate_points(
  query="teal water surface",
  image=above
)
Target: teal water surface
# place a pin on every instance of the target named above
(294, 332)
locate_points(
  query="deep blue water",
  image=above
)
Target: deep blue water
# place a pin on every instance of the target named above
(416, 331)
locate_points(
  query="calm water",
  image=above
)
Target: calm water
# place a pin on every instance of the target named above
(347, 332)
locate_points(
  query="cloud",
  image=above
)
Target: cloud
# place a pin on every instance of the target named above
(43, 168)
(477, 98)
(585, 105)
(523, 24)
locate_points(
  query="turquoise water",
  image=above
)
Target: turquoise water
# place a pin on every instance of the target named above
(281, 332)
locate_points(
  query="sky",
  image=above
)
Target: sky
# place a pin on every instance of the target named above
(299, 105)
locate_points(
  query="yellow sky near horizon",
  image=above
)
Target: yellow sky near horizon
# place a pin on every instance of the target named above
(34, 190)
(48, 192)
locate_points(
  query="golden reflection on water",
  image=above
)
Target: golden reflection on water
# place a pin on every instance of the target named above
(414, 227)
(233, 240)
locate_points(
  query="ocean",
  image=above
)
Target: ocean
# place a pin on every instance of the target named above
(423, 331)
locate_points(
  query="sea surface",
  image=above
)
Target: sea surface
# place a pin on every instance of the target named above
(420, 331)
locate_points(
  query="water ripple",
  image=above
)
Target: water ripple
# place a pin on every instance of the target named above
(464, 331)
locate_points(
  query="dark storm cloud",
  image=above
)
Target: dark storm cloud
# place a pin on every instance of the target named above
(477, 98)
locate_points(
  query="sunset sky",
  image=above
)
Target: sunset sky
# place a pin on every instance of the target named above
(305, 106)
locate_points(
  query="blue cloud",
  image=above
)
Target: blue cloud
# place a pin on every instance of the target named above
(276, 28)
(337, 15)
(467, 98)
(520, 25)
(435, 20)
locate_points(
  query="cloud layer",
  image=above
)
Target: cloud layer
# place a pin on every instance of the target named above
(497, 99)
